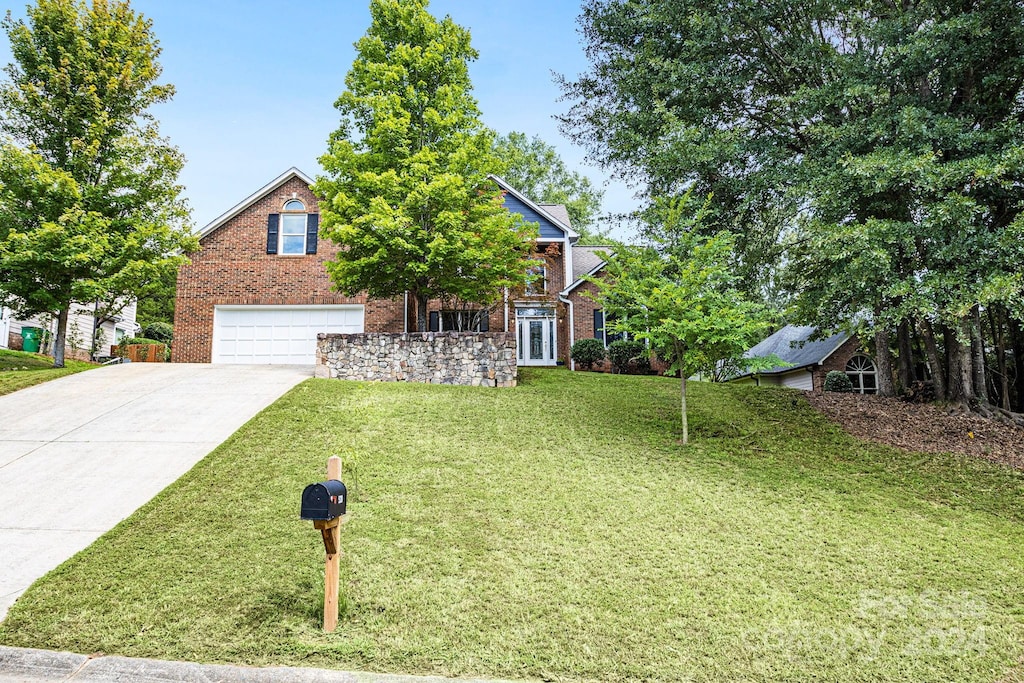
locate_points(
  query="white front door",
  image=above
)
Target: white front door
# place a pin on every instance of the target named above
(536, 339)
(5, 326)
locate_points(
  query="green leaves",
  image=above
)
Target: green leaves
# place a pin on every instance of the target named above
(89, 200)
(680, 294)
(408, 197)
(533, 167)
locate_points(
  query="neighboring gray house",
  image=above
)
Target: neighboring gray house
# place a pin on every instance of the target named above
(81, 325)
(809, 361)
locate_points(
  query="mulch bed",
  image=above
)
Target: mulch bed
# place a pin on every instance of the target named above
(922, 427)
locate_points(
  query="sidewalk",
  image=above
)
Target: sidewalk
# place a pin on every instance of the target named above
(42, 666)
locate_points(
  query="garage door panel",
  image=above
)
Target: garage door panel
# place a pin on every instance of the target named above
(278, 335)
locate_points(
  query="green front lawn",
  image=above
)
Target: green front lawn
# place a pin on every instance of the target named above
(19, 369)
(558, 531)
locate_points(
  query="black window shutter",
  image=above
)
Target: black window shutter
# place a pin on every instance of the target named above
(312, 227)
(435, 321)
(273, 221)
(599, 324)
(485, 323)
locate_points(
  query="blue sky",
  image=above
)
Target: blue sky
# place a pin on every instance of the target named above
(256, 82)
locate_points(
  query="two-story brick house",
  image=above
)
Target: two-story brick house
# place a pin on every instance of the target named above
(258, 290)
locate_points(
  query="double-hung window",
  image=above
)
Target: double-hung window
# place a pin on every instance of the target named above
(293, 228)
(293, 232)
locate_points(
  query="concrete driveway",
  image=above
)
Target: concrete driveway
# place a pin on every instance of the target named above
(81, 453)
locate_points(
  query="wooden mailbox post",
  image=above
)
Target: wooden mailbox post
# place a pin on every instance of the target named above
(329, 523)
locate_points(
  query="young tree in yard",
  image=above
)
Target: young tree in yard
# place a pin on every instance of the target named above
(406, 187)
(534, 168)
(681, 295)
(89, 200)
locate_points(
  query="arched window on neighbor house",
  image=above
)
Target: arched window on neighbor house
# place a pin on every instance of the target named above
(862, 372)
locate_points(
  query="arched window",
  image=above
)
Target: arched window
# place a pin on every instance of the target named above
(861, 371)
(293, 228)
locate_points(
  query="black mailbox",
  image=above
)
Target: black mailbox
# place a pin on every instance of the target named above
(325, 500)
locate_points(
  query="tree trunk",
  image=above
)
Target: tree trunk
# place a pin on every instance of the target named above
(682, 396)
(421, 312)
(954, 356)
(904, 342)
(995, 322)
(883, 359)
(679, 351)
(936, 364)
(58, 343)
(1017, 341)
(961, 380)
(978, 355)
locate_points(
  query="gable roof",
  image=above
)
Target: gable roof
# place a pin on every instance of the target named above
(558, 211)
(277, 182)
(586, 260)
(792, 344)
(543, 210)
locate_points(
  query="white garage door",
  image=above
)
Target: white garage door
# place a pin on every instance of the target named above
(278, 335)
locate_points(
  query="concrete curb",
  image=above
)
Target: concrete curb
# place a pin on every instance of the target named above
(22, 665)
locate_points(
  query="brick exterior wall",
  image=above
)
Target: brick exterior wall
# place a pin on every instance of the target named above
(233, 268)
(837, 361)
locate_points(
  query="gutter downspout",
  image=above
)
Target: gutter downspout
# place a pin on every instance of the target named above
(405, 312)
(572, 330)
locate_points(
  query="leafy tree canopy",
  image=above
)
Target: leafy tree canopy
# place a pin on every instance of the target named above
(535, 168)
(406, 186)
(872, 148)
(89, 201)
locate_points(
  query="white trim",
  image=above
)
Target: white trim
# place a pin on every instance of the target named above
(281, 235)
(238, 208)
(572, 329)
(5, 327)
(829, 354)
(570, 234)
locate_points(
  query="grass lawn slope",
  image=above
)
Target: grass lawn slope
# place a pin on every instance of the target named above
(558, 531)
(19, 370)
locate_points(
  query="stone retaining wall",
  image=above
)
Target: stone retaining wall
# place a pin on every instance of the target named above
(467, 358)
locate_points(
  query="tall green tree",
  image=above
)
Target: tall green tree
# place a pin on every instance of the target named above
(90, 208)
(680, 294)
(535, 168)
(406, 187)
(871, 147)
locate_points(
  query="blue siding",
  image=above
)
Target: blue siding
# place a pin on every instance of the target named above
(548, 230)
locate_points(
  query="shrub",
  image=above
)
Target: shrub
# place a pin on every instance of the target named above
(139, 340)
(623, 354)
(161, 331)
(588, 352)
(838, 381)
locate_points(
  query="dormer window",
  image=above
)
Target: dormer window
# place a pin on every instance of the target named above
(293, 231)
